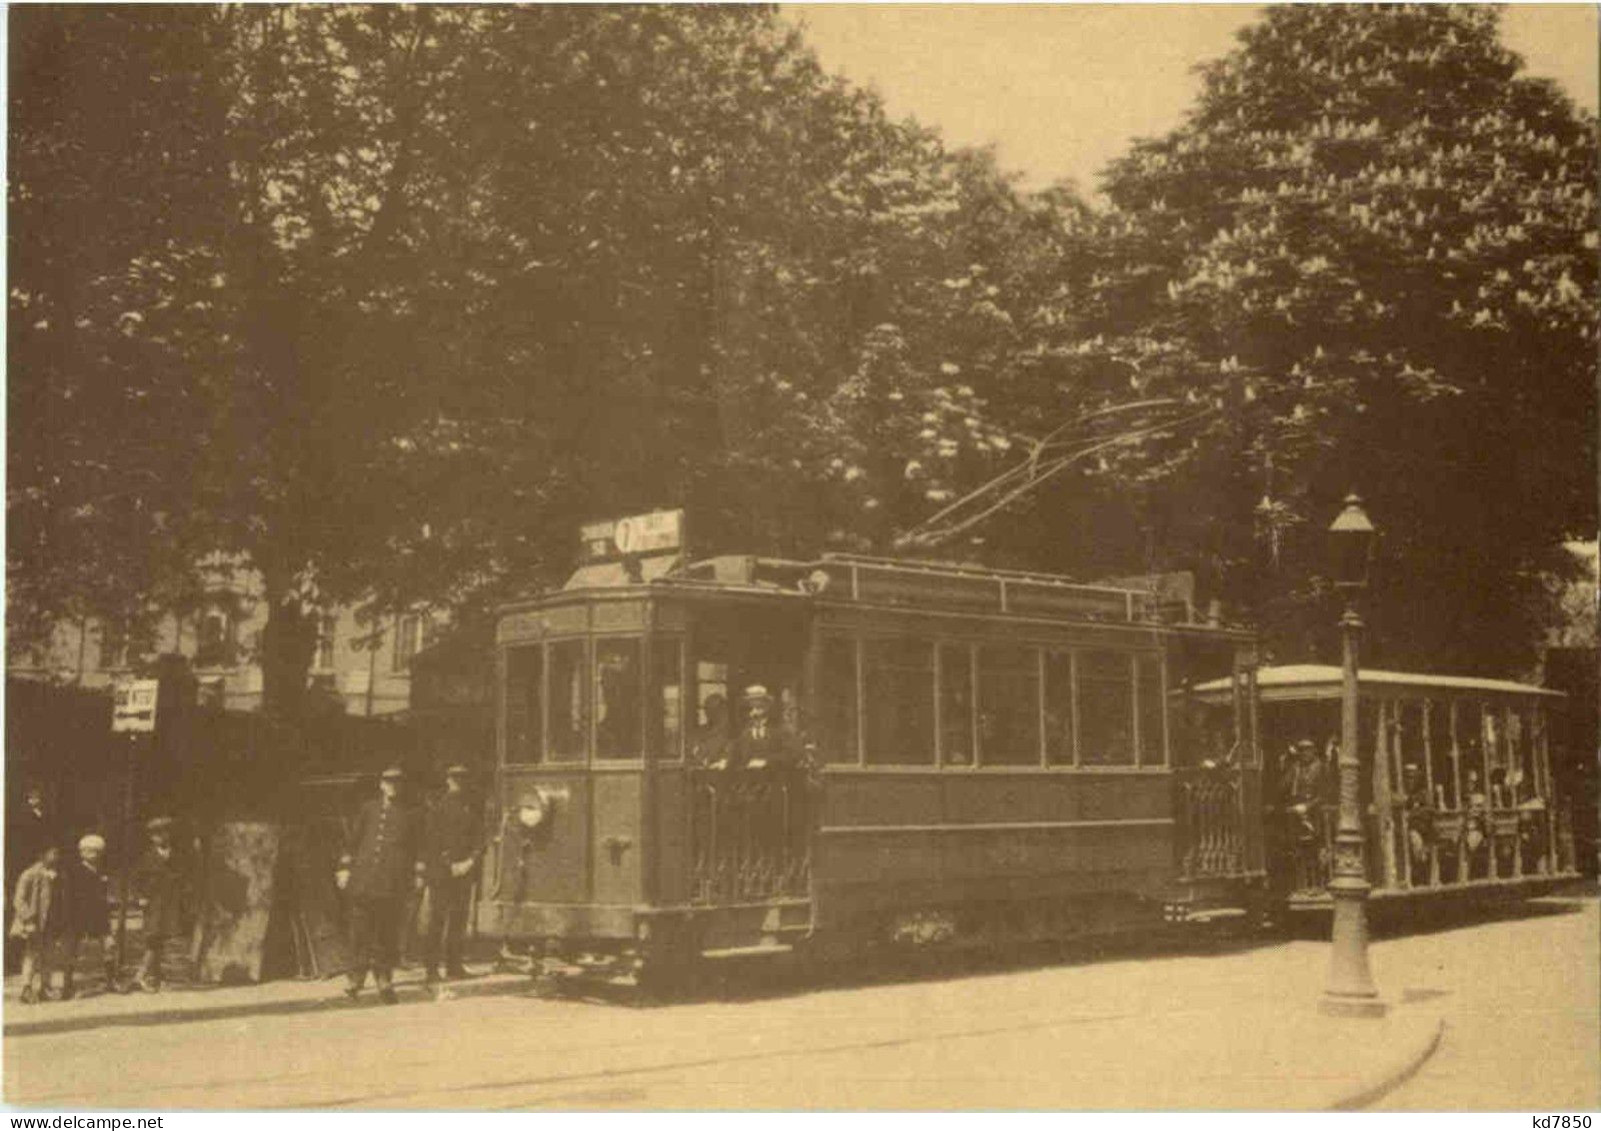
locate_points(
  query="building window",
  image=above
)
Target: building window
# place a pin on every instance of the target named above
(113, 645)
(214, 638)
(1106, 708)
(1008, 706)
(324, 660)
(408, 629)
(900, 702)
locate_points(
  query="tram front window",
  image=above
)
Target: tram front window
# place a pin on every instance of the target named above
(617, 699)
(667, 698)
(569, 701)
(525, 686)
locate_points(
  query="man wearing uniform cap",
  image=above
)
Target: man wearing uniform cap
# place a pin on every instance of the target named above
(380, 870)
(454, 840)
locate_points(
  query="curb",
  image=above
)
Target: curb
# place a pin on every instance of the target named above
(1402, 1070)
(174, 1010)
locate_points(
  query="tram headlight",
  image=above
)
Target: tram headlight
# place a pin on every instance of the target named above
(533, 811)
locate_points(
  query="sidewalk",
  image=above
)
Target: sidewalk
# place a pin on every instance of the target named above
(181, 1003)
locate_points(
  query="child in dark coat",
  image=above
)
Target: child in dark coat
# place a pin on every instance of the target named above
(89, 916)
(40, 920)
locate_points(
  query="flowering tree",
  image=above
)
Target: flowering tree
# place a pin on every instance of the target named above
(1372, 246)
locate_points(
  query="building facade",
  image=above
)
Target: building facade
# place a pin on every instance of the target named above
(366, 665)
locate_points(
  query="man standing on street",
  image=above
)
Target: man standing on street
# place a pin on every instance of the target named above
(454, 842)
(379, 871)
(163, 881)
(29, 831)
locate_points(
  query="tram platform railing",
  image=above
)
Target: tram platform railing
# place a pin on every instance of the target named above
(1211, 813)
(1418, 849)
(750, 834)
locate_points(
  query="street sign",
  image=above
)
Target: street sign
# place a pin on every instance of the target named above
(134, 709)
(638, 536)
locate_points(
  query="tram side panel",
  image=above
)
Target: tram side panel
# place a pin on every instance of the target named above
(1071, 851)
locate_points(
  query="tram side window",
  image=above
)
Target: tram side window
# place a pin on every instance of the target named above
(1440, 759)
(667, 698)
(837, 700)
(1106, 708)
(1059, 708)
(617, 699)
(525, 686)
(900, 702)
(569, 701)
(1409, 735)
(1523, 761)
(1009, 706)
(1494, 752)
(1153, 710)
(956, 704)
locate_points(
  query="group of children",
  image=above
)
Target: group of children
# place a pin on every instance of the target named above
(60, 909)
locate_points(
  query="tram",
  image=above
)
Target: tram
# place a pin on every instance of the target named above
(968, 754)
(1457, 789)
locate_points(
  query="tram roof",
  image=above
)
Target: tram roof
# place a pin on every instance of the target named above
(1165, 600)
(1318, 680)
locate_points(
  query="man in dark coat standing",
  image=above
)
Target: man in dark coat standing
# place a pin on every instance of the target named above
(381, 868)
(163, 881)
(29, 831)
(454, 841)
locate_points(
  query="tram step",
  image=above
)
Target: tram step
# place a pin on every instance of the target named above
(740, 951)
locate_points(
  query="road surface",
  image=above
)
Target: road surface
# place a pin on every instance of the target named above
(1147, 1027)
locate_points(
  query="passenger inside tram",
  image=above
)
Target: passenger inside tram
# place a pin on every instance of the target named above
(1419, 821)
(713, 736)
(764, 739)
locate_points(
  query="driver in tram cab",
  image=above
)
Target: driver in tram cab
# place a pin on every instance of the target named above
(1306, 790)
(764, 740)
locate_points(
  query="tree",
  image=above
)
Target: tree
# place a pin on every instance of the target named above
(1371, 251)
(412, 291)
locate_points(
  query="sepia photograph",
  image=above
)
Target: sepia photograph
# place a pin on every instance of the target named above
(922, 557)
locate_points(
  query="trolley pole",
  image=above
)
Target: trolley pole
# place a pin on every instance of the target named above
(1350, 991)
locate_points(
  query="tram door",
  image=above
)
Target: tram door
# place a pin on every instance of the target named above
(750, 821)
(738, 649)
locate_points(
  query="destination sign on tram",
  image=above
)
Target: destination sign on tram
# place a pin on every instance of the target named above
(640, 535)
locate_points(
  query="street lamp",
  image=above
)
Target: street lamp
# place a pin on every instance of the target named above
(1350, 992)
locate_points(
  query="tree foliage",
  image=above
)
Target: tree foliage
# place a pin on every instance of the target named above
(1372, 247)
(442, 282)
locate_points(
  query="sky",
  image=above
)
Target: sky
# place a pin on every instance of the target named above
(1061, 89)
